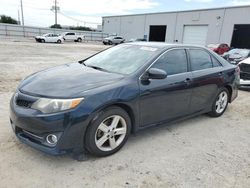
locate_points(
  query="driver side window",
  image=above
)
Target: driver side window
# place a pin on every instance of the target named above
(173, 62)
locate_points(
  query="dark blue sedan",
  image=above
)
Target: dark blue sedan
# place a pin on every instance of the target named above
(92, 106)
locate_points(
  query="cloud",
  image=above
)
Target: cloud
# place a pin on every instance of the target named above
(241, 2)
(37, 12)
(106, 6)
(200, 1)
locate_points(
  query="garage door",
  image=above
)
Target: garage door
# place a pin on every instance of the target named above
(195, 34)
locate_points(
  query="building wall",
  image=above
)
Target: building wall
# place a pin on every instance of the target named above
(220, 23)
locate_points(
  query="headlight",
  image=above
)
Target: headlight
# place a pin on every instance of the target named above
(55, 105)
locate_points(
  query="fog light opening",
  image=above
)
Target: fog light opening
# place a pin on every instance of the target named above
(52, 139)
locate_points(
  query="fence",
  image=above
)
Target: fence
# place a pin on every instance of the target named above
(27, 31)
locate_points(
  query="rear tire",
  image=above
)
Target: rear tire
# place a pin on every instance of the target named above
(59, 41)
(108, 132)
(220, 103)
(79, 40)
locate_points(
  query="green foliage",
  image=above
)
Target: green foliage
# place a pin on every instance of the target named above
(82, 28)
(7, 19)
(57, 26)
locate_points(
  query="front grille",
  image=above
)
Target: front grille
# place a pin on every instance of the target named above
(245, 68)
(245, 76)
(23, 103)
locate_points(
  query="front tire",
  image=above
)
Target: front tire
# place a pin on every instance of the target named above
(42, 41)
(220, 104)
(79, 40)
(59, 41)
(108, 132)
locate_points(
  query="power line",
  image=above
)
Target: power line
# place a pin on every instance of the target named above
(77, 20)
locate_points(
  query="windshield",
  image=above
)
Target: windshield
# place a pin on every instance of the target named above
(243, 53)
(123, 59)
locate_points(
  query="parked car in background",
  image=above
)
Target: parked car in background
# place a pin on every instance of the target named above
(49, 37)
(113, 40)
(70, 36)
(137, 40)
(219, 48)
(245, 73)
(94, 104)
(236, 55)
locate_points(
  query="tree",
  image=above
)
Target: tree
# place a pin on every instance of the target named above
(57, 26)
(7, 19)
(82, 28)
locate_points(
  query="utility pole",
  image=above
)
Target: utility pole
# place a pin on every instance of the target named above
(55, 12)
(22, 12)
(19, 22)
(56, 9)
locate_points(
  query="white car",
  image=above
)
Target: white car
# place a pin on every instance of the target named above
(49, 37)
(113, 40)
(69, 36)
(245, 73)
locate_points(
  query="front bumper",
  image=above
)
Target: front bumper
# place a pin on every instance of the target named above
(244, 83)
(31, 127)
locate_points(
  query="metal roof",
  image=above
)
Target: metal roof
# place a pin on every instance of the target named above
(194, 10)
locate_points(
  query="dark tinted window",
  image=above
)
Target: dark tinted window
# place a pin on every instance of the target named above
(173, 62)
(70, 34)
(200, 59)
(216, 63)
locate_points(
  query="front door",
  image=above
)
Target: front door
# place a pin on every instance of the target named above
(169, 98)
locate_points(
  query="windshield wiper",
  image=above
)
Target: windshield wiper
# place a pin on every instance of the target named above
(82, 62)
(97, 68)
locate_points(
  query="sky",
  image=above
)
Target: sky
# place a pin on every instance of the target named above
(90, 12)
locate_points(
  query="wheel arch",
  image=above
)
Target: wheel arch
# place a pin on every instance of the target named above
(121, 105)
(230, 90)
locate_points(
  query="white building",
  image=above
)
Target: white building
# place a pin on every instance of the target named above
(229, 25)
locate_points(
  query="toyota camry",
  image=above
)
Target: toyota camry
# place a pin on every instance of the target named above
(92, 106)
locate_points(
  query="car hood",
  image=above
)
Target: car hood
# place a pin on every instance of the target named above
(66, 81)
(246, 61)
(233, 56)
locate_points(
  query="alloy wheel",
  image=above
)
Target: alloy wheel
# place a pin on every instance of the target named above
(110, 133)
(221, 102)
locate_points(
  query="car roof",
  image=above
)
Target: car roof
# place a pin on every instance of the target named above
(163, 45)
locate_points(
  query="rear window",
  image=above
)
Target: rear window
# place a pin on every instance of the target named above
(200, 59)
(216, 63)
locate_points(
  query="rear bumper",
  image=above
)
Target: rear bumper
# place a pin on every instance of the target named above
(32, 128)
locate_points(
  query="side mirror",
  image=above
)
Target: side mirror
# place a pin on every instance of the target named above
(154, 73)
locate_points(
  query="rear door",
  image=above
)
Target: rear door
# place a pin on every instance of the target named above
(169, 98)
(207, 78)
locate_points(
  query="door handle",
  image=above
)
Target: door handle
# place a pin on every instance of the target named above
(188, 80)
